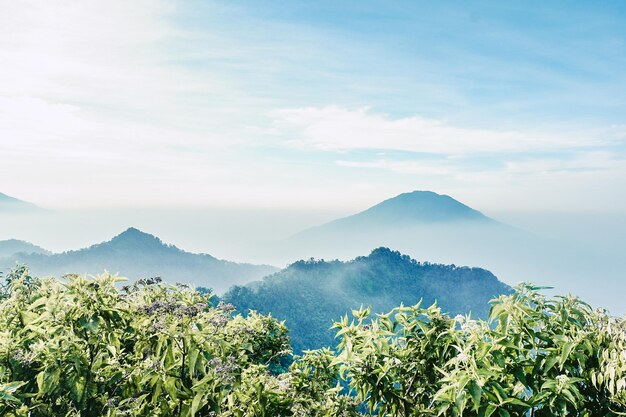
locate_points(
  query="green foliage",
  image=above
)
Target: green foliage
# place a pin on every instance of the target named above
(534, 357)
(83, 348)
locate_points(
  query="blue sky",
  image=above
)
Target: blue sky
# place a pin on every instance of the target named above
(498, 62)
(337, 105)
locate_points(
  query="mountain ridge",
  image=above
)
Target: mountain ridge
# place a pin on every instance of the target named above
(10, 247)
(311, 294)
(137, 254)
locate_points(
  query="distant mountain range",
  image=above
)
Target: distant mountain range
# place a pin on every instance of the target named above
(11, 204)
(13, 246)
(136, 254)
(422, 224)
(310, 295)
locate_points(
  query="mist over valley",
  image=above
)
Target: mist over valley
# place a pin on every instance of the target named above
(427, 226)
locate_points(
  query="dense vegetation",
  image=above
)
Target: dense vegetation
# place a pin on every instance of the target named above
(310, 295)
(81, 347)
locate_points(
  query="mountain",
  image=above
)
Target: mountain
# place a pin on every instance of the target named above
(12, 246)
(310, 295)
(136, 254)
(423, 224)
(11, 204)
(417, 207)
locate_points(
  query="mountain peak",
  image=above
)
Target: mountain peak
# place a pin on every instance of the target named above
(133, 231)
(133, 237)
(422, 206)
(385, 253)
(416, 209)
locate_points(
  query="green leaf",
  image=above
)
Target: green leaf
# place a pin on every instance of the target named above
(487, 410)
(498, 358)
(170, 387)
(11, 387)
(195, 404)
(550, 361)
(475, 392)
(193, 357)
(567, 349)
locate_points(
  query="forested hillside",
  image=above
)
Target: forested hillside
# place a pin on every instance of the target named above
(309, 295)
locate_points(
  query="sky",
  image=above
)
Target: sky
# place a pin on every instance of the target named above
(506, 106)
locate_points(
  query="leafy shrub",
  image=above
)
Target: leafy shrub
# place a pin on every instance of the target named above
(83, 348)
(534, 357)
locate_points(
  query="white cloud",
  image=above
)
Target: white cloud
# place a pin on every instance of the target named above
(335, 128)
(91, 105)
(404, 167)
(580, 162)
(60, 47)
(29, 123)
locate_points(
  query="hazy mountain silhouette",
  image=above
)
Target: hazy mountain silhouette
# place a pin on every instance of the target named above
(417, 207)
(414, 209)
(12, 246)
(136, 254)
(309, 295)
(421, 223)
(11, 204)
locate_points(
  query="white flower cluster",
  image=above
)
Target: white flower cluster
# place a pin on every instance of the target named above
(467, 325)
(562, 380)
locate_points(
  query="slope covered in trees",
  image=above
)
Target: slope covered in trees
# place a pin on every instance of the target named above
(309, 295)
